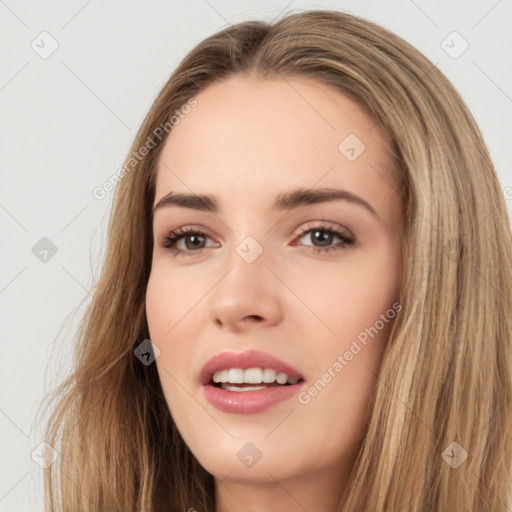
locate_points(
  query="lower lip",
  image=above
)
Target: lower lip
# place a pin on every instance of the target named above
(248, 402)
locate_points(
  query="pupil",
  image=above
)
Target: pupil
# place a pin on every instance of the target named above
(194, 244)
(325, 239)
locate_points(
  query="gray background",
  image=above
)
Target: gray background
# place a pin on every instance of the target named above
(68, 120)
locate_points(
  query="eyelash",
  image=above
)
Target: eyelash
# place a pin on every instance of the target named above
(174, 236)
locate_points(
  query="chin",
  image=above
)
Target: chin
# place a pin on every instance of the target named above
(244, 463)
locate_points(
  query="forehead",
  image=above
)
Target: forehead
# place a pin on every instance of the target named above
(248, 139)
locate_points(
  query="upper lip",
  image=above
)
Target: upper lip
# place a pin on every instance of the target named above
(245, 360)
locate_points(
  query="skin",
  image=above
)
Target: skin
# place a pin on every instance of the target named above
(246, 141)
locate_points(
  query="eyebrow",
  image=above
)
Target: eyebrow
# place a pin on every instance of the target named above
(283, 201)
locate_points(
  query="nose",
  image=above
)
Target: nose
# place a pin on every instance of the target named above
(246, 297)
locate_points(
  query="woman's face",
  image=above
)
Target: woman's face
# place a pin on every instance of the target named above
(273, 157)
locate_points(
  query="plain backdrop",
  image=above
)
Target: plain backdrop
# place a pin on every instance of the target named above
(76, 79)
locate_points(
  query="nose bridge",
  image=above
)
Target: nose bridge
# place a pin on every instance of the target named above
(246, 290)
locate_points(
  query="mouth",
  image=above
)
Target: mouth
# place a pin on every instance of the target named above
(248, 382)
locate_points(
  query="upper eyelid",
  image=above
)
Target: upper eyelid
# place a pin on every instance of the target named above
(325, 224)
(310, 224)
(305, 228)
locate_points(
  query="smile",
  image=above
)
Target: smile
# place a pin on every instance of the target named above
(248, 382)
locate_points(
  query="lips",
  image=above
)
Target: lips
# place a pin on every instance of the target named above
(252, 399)
(244, 361)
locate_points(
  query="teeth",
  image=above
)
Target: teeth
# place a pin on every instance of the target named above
(281, 378)
(227, 387)
(251, 376)
(236, 376)
(222, 376)
(269, 375)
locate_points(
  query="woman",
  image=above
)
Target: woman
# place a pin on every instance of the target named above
(305, 301)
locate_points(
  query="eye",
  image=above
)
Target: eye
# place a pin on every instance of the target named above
(194, 239)
(324, 235)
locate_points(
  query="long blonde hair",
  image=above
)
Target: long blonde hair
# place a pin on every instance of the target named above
(446, 375)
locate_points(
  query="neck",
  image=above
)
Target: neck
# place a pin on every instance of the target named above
(319, 490)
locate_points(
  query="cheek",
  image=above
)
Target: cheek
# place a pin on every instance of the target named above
(336, 403)
(348, 297)
(356, 308)
(172, 323)
(172, 300)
